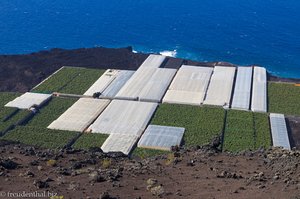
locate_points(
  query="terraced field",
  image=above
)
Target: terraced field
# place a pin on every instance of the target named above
(201, 123)
(246, 130)
(70, 80)
(9, 116)
(284, 98)
(51, 112)
(40, 137)
(89, 140)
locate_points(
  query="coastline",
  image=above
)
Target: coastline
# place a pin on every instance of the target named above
(19, 73)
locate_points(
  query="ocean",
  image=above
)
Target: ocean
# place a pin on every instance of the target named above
(243, 32)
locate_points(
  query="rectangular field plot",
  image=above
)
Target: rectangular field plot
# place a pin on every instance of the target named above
(259, 90)
(80, 115)
(134, 86)
(189, 85)
(5, 97)
(113, 88)
(201, 123)
(29, 100)
(11, 116)
(246, 130)
(156, 87)
(89, 140)
(119, 143)
(40, 137)
(161, 137)
(124, 117)
(51, 111)
(146, 153)
(284, 98)
(72, 80)
(239, 131)
(279, 131)
(262, 130)
(242, 90)
(103, 82)
(220, 86)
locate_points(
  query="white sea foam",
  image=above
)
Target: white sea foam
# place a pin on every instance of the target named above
(169, 53)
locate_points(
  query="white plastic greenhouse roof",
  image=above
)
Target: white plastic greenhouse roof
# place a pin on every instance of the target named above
(80, 115)
(27, 100)
(102, 83)
(156, 87)
(124, 117)
(189, 85)
(119, 143)
(242, 89)
(220, 86)
(259, 90)
(279, 131)
(134, 86)
(153, 61)
(122, 77)
(161, 137)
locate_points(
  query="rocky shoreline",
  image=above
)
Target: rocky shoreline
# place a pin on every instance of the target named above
(19, 73)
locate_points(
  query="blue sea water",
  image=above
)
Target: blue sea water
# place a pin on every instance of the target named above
(243, 32)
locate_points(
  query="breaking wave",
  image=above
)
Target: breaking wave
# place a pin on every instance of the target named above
(169, 53)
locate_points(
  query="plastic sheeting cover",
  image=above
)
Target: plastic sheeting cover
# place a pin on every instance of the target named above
(124, 117)
(189, 85)
(102, 83)
(80, 115)
(119, 143)
(220, 86)
(122, 77)
(156, 87)
(27, 100)
(259, 90)
(242, 90)
(135, 84)
(153, 61)
(279, 131)
(161, 137)
(133, 87)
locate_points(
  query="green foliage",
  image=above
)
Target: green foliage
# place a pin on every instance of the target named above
(284, 98)
(5, 97)
(239, 131)
(146, 153)
(201, 123)
(40, 137)
(88, 140)
(70, 80)
(262, 130)
(51, 111)
(83, 81)
(5, 111)
(246, 130)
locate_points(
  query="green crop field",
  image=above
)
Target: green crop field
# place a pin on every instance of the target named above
(284, 98)
(51, 111)
(201, 123)
(88, 140)
(262, 130)
(70, 80)
(40, 137)
(6, 111)
(239, 131)
(246, 130)
(146, 153)
(5, 97)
